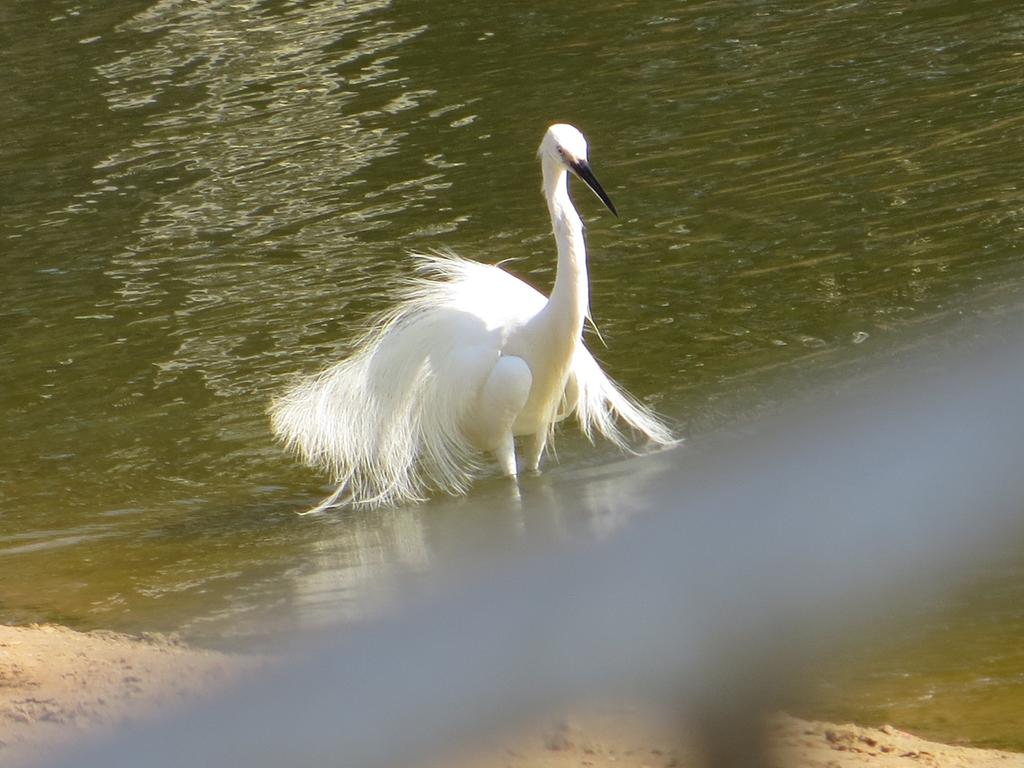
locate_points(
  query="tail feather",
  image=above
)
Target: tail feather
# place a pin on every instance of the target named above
(386, 423)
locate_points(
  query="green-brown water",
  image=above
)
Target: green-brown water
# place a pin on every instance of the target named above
(200, 199)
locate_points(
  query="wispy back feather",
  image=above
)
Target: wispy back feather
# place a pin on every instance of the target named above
(601, 405)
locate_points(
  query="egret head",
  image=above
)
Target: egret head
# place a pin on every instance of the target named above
(564, 145)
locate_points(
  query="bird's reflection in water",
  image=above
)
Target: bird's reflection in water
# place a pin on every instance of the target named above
(371, 560)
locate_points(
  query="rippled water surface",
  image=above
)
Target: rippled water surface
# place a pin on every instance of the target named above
(201, 199)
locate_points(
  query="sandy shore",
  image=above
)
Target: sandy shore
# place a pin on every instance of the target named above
(624, 740)
(58, 685)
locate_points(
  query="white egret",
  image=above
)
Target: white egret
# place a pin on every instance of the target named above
(469, 359)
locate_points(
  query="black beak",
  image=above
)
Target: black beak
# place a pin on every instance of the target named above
(582, 169)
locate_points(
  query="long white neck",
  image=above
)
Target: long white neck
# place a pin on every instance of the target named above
(569, 302)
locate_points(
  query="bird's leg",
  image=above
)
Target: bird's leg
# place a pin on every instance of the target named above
(535, 451)
(502, 398)
(505, 452)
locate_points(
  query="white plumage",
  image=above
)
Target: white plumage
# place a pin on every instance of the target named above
(468, 358)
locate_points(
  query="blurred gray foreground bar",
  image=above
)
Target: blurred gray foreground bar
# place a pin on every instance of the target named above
(744, 558)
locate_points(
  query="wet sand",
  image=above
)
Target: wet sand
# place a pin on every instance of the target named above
(58, 686)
